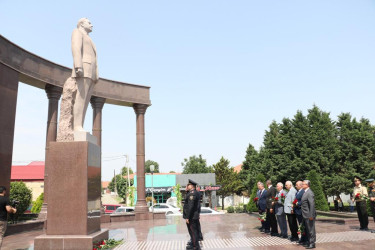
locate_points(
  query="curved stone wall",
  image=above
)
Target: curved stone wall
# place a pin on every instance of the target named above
(37, 71)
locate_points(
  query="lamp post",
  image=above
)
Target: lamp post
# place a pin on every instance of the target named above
(152, 168)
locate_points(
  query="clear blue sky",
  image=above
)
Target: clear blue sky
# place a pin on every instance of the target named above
(219, 71)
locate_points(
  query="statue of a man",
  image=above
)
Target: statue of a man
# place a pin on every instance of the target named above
(85, 70)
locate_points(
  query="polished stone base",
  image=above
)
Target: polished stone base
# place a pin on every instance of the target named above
(144, 216)
(69, 242)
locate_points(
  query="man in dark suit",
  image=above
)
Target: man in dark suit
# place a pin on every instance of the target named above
(298, 211)
(262, 205)
(271, 218)
(191, 214)
(309, 214)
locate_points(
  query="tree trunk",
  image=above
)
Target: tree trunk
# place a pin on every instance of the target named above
(222, 202)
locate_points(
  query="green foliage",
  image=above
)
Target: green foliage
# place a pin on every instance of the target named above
(337, 150)
(251, 206)
(239, 209)
(230, 209)
(131, 195)
(249, 168)
(176, 190)
(195, 165)
(121, 185)
(321, 202)
(20, 192)
(227, 178)
(148, 163)
(172, 172)
(37, 206)
(124, 171)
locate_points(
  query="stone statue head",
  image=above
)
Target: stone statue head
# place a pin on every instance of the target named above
(85, 24)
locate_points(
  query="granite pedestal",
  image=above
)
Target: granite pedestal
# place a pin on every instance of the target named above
(74, 186)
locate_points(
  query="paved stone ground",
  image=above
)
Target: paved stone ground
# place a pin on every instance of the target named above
(229, 231)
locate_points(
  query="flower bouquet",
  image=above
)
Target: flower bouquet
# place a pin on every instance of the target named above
(256, 199)
(106, 244)
(359, 197)
(282, 197)
(295, 203)
(262, 217)
(301, 229)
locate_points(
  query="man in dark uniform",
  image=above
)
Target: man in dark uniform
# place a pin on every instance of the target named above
(199, 223)
(191, 214)
(271, 194)
(298, 211)
(371, 195)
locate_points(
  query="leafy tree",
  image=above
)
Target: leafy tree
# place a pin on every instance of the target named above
(249, 168)
(21, 193)
(227, 178)
(38, 204)
(121, 185)
(131, 195)
(124, 171)
(251, 206)
(321, 202)
(195, 165)
(148, 163)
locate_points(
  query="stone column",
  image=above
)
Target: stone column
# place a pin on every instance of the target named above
(97, 104)
(53, 94)
(141, 206)
(8, 105)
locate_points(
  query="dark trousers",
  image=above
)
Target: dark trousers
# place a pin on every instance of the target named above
(194, 233)
(301, 222)
(310, 230)
(271, 218)
(362, 213)
(372, 206)
(292, 221)
(200, 235)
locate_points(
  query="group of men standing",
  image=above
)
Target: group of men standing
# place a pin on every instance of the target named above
(295, 207)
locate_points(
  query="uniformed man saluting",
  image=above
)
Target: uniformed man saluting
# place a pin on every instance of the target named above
(191, 214)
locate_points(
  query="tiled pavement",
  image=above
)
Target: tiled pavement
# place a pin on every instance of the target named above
(229, 231)
(250, 243)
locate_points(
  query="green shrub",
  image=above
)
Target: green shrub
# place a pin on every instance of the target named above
(230, 209)
(20, 192)
(37, 206)
(239, 209)
(321, 202)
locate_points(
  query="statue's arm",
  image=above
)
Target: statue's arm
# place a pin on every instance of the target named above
(77, 43)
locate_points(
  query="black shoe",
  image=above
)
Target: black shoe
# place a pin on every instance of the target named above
(274, 234)
(200, 239)
(294, 239)
(364, 229)
(189, 247)
(285, 236)
(311, 246)
(266, 231)
(261, 229)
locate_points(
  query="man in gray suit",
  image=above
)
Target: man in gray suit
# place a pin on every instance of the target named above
(279, 211)
(288, 210)
(309, 214)
(85, 70)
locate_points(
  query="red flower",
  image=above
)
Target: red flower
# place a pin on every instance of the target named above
(357, 195)
(261, 220)
(298, 232)
(295, 201)
(256, 199)
(282, 195)
(276, 198)
(94, 248)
